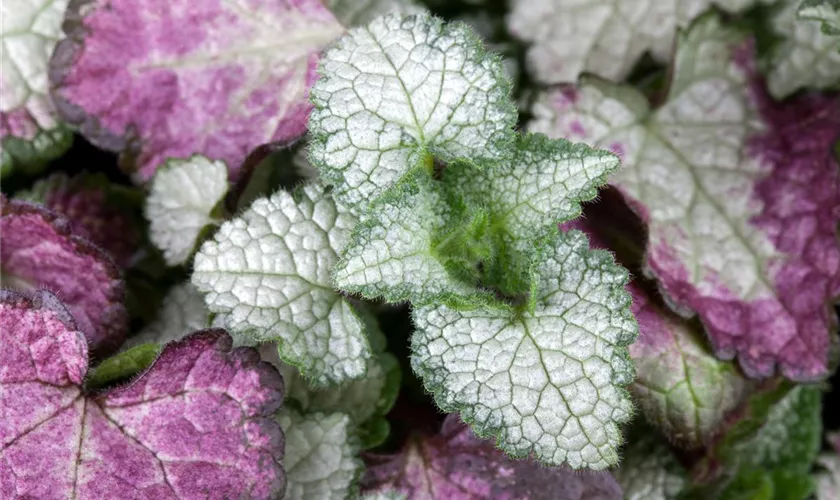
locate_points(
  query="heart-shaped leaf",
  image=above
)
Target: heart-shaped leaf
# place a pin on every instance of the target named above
(165, 79)
(399, 93)
(547, 381)
(197, 421)
(40, 250)
(740, 194)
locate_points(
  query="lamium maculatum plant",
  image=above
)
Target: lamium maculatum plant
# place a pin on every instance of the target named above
(341, 249)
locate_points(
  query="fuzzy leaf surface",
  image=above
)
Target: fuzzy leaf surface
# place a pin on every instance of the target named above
(399, 92)
(196, 421)
(740, 195)
(392, 255)
(571, 37)
(39, 249)
(169, 79)
(457, 465)
(180, 204)
(30, 132)
(806, 57)
(321, 455)
(526, 197)
(547, 380)
(268, 271)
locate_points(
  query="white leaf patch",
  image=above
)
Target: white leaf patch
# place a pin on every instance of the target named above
(359, 399)
(542, 186)
(649, 471)
(571, 37)
(391, 252)
(359, 12)
(384, 495)
(183, 311)
(683, 161)
(28, 33)
(269, 272)
(805, 58)
(825, 11)
(828, 477)
(179, 206)
(399, 92)
(320, 459)
(547, 381)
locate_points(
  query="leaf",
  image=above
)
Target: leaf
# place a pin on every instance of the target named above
(40, 250)
(489, 25)
(321, 461)
(828, 478)
(384, 495)
(269, 271)
(789, 440)
(169, 79)
(649, 471)
(362, 12)
(806, 57)
(546, 380)
(181, 202)
(100, 211)
(399, 93)
(526, 197)
(570, 37)
(365, 400)
(737, 203)
(750, 485)
(31, 135)
(196, 421)
(392, 251)
(456, 465)
(680, 386)
(766, 449)
(123, 365)
(825, 11)
(183, 312)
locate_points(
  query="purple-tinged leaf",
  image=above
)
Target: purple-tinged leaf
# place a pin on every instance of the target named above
(99, 211)
(40, 250)
(680, 386)
(741, 196)
(196, 424)
(457, 465)
(173, 78)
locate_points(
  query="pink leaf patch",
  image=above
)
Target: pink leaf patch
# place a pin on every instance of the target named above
(196, 424)
(40, 250)
(457, 465)
(172, 78)
(741, 196)
(97, 210)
